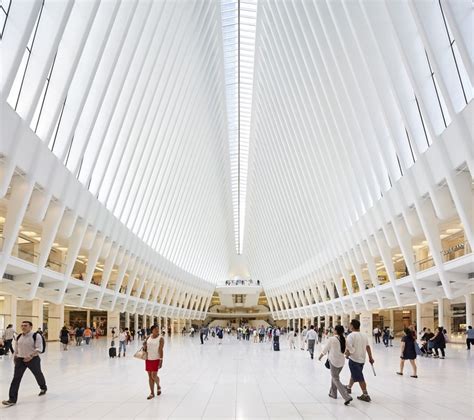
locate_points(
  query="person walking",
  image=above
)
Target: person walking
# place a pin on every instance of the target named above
(64, 337)
(153, 345)
(357, 345)
(385, 336)
(408, 352)
(79, 335)
(291, 338)
(202, 333)
(87, 335)
(469, 337)
(335, 348)
(439, 342)
(122, 341)
(303, 337)
(8, 337)
(311, 337)
(28, 346)
(376, 333)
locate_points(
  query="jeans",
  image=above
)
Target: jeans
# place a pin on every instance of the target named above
(87, 339)
(122, 346)
(20, 366)
(469, 341)
(8, 346)
(336, 384)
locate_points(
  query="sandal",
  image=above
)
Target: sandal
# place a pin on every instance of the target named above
(413, 376)
(150, 396)
(400, 373)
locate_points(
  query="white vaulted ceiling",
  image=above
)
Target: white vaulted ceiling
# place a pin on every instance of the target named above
(134, 106)
(307, 136)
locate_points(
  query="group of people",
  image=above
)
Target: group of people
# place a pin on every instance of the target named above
(387, 336)
(242, 282)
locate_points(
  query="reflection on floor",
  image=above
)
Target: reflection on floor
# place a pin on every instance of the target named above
(236, 380)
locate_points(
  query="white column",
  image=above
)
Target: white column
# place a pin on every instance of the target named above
(319, 322)
(418, 318)
(424, 316)
(113, 321)
(366, 325)
(55, 321)
(469, 308)
(326, 322)
(9, 310)
(37, 313)
(127, 320)
(440, 313)
(88, 318)
(135, 322)
(30, 310)
(392, 321)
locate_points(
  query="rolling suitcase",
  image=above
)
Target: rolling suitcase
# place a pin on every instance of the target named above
(276, 346)
(112, 350)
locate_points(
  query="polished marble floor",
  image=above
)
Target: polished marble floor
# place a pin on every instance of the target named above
(240, 380)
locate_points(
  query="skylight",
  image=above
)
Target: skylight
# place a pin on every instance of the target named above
(238, 26)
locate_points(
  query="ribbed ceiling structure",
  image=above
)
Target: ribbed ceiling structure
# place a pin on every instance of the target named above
(130, 96)
(348, 97)
(351, 117)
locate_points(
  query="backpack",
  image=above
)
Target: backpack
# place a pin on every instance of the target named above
(34, 340)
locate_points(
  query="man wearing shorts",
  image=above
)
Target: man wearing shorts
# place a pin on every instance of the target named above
(356, 346)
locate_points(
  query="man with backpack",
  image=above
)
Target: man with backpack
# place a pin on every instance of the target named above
(28, 346)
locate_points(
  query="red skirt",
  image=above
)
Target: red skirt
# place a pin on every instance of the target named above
(152, 365)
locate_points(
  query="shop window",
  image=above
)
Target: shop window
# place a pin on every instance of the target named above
(454, 243)
(458, 320)
(399, 265)
(382, 275)
(423, 257)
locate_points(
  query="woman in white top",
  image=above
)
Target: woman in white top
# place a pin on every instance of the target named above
(335, 348)
(291, 338)
(153, 345)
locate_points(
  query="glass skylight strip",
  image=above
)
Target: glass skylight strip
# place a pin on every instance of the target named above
(239, 18)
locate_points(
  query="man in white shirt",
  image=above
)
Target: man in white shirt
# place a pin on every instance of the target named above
(303, 337)
(357, 346)
(311, 337)
(28, 346)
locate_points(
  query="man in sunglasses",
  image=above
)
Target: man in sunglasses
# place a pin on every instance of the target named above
(28, 346)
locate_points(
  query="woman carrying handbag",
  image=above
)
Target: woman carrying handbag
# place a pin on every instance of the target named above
(335, 348)
(153, 349)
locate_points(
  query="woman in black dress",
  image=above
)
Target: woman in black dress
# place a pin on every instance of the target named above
(408, 352)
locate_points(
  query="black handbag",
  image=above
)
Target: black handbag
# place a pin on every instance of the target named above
(327, 364)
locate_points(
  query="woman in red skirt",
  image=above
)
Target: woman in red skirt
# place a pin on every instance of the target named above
(153, 345)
